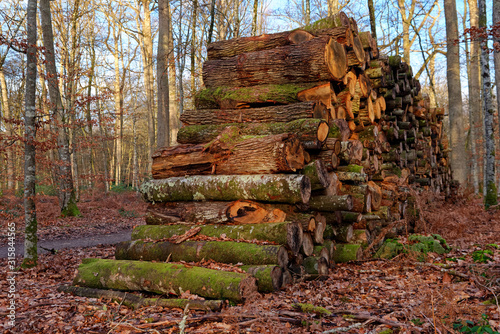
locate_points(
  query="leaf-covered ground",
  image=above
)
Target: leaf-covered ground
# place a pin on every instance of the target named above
(402, 295)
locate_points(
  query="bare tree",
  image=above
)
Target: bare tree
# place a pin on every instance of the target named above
(163, 119)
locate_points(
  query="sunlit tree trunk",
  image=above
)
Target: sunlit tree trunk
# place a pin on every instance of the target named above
(333, 7)
(496, 57)
(254, 17)
(194, 18)
(373, 24)
(488, 110)
(8, 126)
(31, 240)
(172, 84)
(67, 200)
(163, 135)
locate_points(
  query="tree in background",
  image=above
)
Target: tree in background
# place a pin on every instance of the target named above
(163, 118)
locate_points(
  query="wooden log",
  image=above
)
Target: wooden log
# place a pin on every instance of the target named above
(331, 203)
(270, 114)
(285, 233)
(134, 301)
(333, 144)
(287, 278)
(322, 93)
(376, 195)
(256, 96)
(343, 232)
(352, 177)
(343, 132)
(236, 46)
(230, 153)
(350, 217)
(319, 230)
(347, 252)
(208, 212)
(329, 159)
(361, 237)
(307, 244)
(351, 168)
(323, 251)
(317, 173)
(307, 129)
(316, 265)
(164, 278)
(318, 59)
(269, 277)
(339, 19)
(194, 251)
(267, 188)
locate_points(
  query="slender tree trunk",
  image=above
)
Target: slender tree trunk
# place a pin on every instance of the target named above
(373, 25)
(496, 55)
(105, 148)
(8, 127)
(31, 239)
(455, 94)
(488, 110)
(163, 135)
(475, 100)
(212, 22)
(118, 109)
(135, 167)
(66, 192)
(333, 7)
(172, 84)
(193, 49)
(406, 30)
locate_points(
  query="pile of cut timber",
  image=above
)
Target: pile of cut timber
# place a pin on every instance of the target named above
(301, 150)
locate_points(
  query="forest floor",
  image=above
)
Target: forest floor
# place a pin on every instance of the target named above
(402, 295)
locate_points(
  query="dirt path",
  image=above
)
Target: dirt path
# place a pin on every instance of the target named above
(88, 241)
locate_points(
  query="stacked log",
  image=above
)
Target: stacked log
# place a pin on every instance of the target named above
(303, 147)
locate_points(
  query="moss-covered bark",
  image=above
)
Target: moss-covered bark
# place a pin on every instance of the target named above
(331, 203)
(164, 278)
(347, 252)
(269, 277)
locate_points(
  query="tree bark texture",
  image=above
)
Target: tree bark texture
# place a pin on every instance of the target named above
(319, 59)
(163, 112)
(164, 278)
(267, 188)
(269, 277)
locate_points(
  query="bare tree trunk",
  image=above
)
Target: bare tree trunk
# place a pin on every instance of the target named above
(475, 100)
(135, 167)
(66, 192)
(163, 135)
(8, 127)
(333, 7)
(455, 94)
(212, 21)
(373, 25)
(31, 239)
(308, 12)
(488, 110)
(105, 148)
(496, 55)
(172, 84)
(118, 108)
(193, 48)
(254, 17)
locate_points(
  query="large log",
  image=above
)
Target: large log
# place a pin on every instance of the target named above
(331, 203)
(230, 153)
(270, 114)
(269, 277)
(316, 265)
(194, 251)
(318, 174)
(285, 233)
(267, 188)
(307, 129)
(347, 252)
(236, 46)
(318, 59)
(255, 96)
(164, 278)
(213, 212)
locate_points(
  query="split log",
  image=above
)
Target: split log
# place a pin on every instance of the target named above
(236, 46)
(320, 229)
(255, 96)
(323, 251)
(269, 278)
(316, 265)
(307, 245)
(322, 93)
(164, 278)
(133, 301)
(331, 203)
(347, 252)
(361, 237)
(318, 59)
(270, 114)
(229, 153)
(239, 212)
(195, 251)
(307, 129)
(285, 233)
(267, 188)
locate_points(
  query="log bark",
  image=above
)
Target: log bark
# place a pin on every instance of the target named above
(194, 251)
(307, 129)
(316, 265)
(236, 46)
(347, 252)
(164, 278)
(307, 245)
(270, 114)
(331, 203)
(285, 233)
(230, 153)
(317, 172)
(267, 188)
(269, 277)
(318, 59)
(134, 301)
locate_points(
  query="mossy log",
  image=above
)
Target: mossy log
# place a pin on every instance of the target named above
(164, 278)
(230, 153)
(256, 96)
(269, 277)
(352, 177)
(308, 129)
(331, 203)
(351, 168)
(267, 188)
(316, 265)
(343, 132)
(284, 233)
(347, 252)
(339, 19)
(317, 172)
(343, 232)
(194, 251)
(216, 212)
(236, 46)
(361, 236)
(319, 59)
(270, 114)
(135, 301)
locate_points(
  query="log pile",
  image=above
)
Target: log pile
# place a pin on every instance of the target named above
(301, 150)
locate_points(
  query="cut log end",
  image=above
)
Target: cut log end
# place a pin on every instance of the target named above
(248, 287)
(336, 58)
